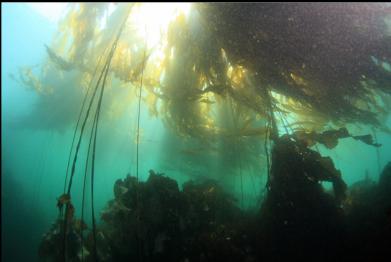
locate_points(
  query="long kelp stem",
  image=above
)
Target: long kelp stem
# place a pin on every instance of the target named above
(84, 190)
(377, 153)
(74, 165)
(93, 162)
(137, 146)
(78, 121)
(103, 74)
(267, 154)
(95, 136)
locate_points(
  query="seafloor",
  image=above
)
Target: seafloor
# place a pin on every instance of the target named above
(298, 220)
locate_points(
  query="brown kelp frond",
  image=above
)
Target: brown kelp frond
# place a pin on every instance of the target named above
(330, 138)
(271, 61)
(309, 54)
(61, 62)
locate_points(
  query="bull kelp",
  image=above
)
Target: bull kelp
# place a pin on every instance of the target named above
(208, 131)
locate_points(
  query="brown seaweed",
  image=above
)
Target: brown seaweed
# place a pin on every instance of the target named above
(330, 138)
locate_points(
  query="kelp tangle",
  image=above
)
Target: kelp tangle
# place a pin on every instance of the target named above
(327, 64)
(327, 58)
(228, 74)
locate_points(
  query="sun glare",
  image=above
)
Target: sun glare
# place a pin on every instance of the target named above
(152, 19)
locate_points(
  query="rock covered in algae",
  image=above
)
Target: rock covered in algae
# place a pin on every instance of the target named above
(159, 221)
(51, 247)
(299, 220)
(369, 218)
(155, 220)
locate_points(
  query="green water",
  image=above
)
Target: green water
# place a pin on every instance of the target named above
(34, 159)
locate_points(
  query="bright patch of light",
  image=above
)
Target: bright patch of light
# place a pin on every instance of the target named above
(152, 19)
(386, 66)
(110, 10)
(283, 119)
(51, 11)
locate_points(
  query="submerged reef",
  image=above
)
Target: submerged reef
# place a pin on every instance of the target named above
(155, 220)
(369, 219)
(298, 219)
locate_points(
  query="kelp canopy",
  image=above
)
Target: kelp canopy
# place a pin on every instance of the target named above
(215, 70)
(330, 57)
